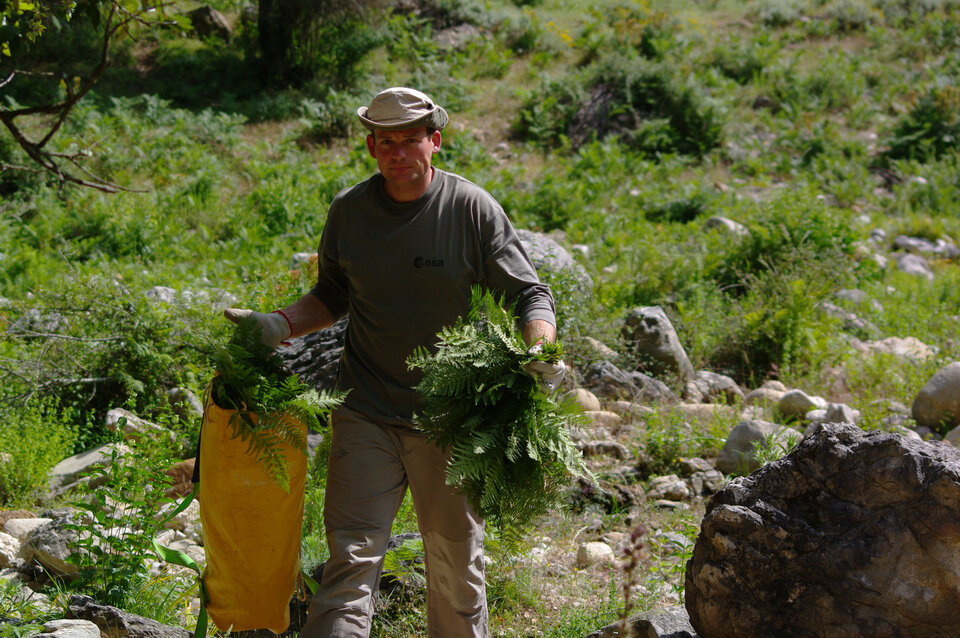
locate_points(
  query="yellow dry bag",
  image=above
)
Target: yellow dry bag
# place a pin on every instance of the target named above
(251, 529)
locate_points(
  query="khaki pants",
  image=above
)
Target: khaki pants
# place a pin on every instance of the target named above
(369, 471)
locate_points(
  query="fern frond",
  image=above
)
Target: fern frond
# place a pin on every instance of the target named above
(509, 447)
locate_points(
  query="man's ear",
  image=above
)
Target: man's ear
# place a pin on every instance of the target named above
(371, 146)
(436, 139)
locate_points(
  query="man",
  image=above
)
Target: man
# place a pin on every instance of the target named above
(399, 253)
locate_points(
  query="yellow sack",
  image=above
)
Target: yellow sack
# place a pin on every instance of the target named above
(251, 529)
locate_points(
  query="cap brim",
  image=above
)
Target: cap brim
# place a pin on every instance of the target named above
(437, 119)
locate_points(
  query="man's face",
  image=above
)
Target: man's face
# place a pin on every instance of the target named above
(404, 157)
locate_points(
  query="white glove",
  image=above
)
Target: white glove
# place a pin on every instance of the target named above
(548, 374)
(275, 328)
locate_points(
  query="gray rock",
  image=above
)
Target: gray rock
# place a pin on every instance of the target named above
(605, 448)
(650, 337)
(135, 427)
(671, 622)
(607, 380)
(940, 247)
(64, 628)
(9, 550)
(907, 347)
(50, 545)
(185, 404)
(20, 528)
(852, 534)
(209, 22)
(116, 623)
(937, 405)
(315, 357)
(594, 553)
(70, 469)
(711, 387)
(914, 265)
(796, 403)
(738, 455)
(550, 257)
(732, 228)
(669, 488)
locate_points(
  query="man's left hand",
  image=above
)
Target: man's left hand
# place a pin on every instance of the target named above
(548, 373)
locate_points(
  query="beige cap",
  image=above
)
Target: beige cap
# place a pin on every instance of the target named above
(399, 108)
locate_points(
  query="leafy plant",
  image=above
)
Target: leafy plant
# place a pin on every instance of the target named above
(114, 537)
(510, 453)
(931, 128)
(33, 438)
(270, 404)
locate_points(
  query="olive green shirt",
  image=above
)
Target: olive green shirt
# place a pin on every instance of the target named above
(405, 270)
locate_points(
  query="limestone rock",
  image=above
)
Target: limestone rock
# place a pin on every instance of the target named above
(49, 545)
(600, 350)
(669, 488)
(915, 265)
(70, 469)
(907, 347)
(20, 528)
(852, 534)
(9, 550)
(594, 553)
(185, 403)
(549, 256)
(134, 426)
(64, 628)
(672, 622)
(116, 623)
(315, 357)
(607, 380)
(209, 22)
(605, 448)
(796, 403)
(603, 418)
(732, 228)
(737, 455)
(587, 400)
(711, 387)
(652, 338)
(937, 405)
(764, 396)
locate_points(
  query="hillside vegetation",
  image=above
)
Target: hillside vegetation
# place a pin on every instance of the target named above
(827, 129)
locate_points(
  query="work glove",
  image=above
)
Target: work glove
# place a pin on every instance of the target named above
(548, 374)
(275, 328)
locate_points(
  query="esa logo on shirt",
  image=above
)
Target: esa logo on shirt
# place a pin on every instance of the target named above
(422, 262)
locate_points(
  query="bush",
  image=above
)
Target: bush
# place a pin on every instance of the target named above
(931, 129)
(34, 437)
(645, 104)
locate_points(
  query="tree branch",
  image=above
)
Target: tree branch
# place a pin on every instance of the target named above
(117, 20)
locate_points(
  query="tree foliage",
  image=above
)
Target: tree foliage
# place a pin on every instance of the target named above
(510, 451)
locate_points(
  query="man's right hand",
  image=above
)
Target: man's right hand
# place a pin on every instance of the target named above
(275, 328)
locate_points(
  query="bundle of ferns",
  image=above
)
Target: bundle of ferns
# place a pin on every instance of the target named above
(270, 404)
(510, 451)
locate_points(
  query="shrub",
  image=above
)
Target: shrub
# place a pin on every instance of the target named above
(34, 437)
(645, 104)
(931, 129)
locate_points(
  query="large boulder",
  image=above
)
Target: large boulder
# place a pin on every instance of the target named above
(315, 357)
(937, 405)
(852, 534)
(650, 337)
